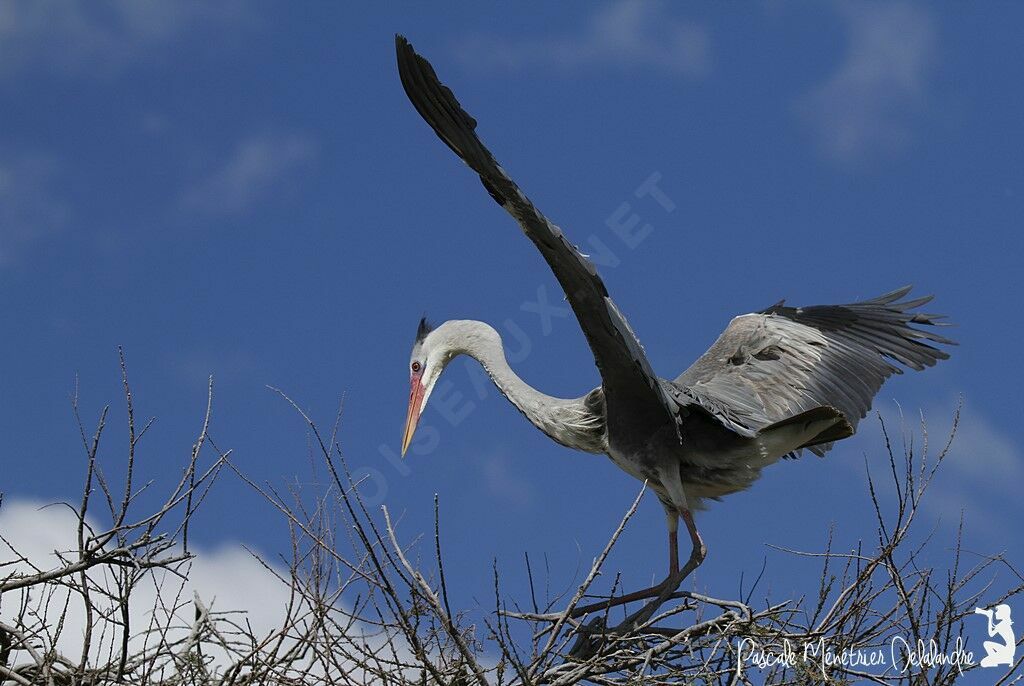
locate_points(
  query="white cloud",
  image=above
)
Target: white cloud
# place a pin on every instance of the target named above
(98, 39)
(862, 109)
(503, 480)
(627, 33)
(228, 577)
(195, 365)
(154, 124)
(988, 457)
(257, 166)
(980, 478)
(29, 207)
(225, 578)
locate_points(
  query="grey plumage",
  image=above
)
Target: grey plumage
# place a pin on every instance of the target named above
(781, 361)
(775, 381)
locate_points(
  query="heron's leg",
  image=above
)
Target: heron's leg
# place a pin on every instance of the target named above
(672, 482)
(672, 583)
(700, 551)
(674, 485)
(586, 645)
(672, 519)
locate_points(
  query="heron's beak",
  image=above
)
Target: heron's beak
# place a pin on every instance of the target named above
(416, 393)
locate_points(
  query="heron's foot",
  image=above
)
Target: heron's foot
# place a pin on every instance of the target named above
(667, 587)
(590, 639)
(595, 634)
(671, 585)
(600, 606)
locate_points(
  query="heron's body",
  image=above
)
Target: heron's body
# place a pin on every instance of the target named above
(712, 461)
(774, 383)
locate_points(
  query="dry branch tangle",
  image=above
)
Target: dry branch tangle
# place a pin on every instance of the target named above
(364, 608)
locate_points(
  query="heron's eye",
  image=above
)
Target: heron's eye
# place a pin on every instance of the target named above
(416, 366)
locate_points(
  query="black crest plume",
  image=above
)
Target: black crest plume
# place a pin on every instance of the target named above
(423, 329)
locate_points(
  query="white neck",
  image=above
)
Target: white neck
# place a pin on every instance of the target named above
(572, 422)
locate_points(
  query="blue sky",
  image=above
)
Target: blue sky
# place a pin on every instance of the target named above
(244, 191)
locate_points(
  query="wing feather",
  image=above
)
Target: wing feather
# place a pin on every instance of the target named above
(771, 365)
(633, 393)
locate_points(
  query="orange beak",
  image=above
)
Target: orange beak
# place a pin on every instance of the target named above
(415, 407)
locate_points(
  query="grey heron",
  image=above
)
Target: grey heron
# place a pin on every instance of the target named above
(776, 382)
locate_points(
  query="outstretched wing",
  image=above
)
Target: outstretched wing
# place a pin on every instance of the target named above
(632, 391)
(771, 365)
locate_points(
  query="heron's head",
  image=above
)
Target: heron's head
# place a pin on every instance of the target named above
(430, 353)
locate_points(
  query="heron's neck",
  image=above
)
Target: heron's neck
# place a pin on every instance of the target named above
(481, 342)
(567, 421)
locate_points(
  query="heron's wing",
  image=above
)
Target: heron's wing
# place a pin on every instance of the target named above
(774, 364)
(631, 387)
